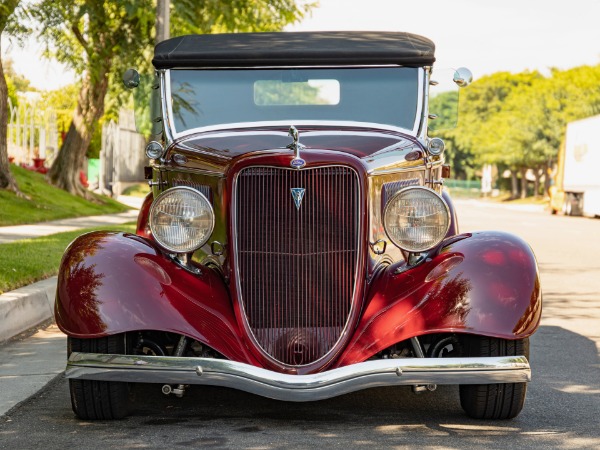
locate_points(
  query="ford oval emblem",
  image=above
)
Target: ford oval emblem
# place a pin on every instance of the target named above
(298, 163)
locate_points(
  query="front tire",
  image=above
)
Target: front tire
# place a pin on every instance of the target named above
(99, 400)
(493, 401)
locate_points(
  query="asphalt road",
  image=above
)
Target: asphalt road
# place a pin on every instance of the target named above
(562, 408)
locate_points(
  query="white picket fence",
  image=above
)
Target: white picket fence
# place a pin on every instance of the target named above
(32, 132)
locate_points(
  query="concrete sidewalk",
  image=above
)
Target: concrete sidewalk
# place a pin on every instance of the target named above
(18, 232)
(28, 364)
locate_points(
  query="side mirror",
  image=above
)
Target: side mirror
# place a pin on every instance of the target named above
(463, 77)
(131, 78)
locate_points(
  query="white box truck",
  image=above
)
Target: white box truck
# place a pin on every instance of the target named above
(577, 182)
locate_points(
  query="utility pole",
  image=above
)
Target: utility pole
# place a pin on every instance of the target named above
(162, 20)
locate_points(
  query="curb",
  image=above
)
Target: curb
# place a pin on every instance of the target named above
(26, 307)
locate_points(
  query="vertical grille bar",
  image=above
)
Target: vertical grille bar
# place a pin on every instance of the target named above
(297, 265)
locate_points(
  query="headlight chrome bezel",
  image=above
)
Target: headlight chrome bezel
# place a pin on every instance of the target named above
(391, 202)
(161, 197)
(436, 146)
(154, 150)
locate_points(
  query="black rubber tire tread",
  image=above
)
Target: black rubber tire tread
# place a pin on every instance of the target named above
(99, 400)
(493, 401)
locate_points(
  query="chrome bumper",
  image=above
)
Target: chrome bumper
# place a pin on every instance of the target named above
(298, 388)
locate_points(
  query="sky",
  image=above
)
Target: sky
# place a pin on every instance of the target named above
(484, 35)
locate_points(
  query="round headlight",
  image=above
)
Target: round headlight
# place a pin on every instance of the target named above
(436, 146)
(416, 219)
(181, 219)
(154, 150)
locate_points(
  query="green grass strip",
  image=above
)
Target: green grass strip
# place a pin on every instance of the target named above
(29, 260)
(137, 190)
(48, 202)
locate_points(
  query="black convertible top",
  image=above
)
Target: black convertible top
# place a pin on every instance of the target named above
(295, 49)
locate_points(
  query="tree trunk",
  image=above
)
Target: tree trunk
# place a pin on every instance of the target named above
(7, 180)
(70, 160)
(547, 179)
(514, 184)
(536, 185)
(523, 182)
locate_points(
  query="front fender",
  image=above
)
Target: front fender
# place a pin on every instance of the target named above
(484, 283)
(143, 222)
(112, 283)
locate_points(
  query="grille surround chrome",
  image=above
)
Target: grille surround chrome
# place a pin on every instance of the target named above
(354, 300)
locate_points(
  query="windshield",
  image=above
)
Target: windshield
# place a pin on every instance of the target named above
(384, 95)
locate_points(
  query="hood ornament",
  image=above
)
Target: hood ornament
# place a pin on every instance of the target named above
(296, 146)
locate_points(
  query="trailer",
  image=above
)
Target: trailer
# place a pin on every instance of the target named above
(576, 190)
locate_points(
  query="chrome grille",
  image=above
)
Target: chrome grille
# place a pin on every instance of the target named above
(297, 265)
(391, 189)
(202, 188)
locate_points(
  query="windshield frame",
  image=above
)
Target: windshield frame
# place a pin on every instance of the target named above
(171, 133)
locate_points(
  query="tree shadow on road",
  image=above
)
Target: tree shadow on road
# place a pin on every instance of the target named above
(561, 411)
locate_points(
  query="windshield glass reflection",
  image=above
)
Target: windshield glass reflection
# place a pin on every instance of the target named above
(374, 95)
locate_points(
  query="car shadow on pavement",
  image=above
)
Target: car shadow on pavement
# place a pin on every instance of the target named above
(562, 407)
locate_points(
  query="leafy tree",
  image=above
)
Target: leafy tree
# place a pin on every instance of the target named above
(235, 16)
(63, 102)
(518, 121)
(100, 39)
(483, 102)
(92, 37)
(483, 128)
(14, 81)
(460, 158)
(11, 92)
(566, 96)
(21, 83)
(8, 24)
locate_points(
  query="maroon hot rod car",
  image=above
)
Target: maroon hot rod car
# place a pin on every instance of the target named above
(298, 243)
